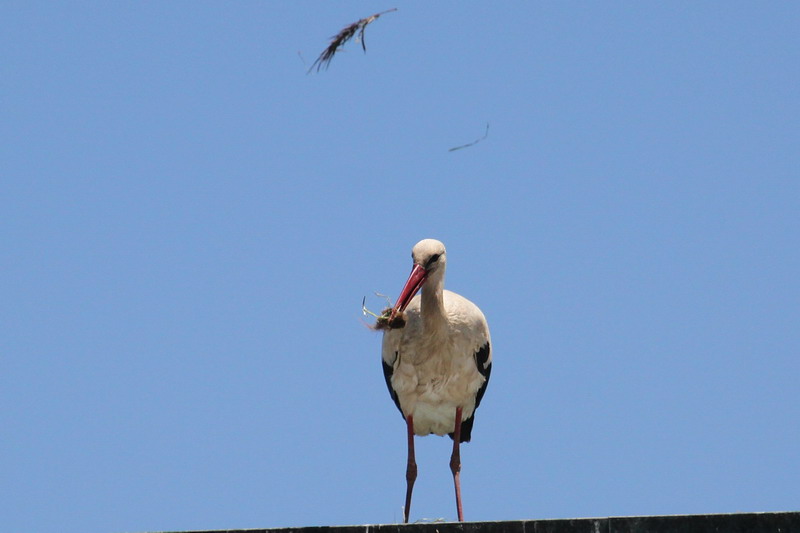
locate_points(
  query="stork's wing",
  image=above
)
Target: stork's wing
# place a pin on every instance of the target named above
(483, 360)
(390, 350)
(388, 370)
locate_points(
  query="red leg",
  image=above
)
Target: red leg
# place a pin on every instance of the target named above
(455, 464)
(411, 468)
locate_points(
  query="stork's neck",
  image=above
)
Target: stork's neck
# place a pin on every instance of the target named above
(432, 303)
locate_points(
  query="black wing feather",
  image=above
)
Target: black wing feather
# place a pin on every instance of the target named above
(388, 370)
(481, 357)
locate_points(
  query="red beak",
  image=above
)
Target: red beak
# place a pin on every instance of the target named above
(412, 286)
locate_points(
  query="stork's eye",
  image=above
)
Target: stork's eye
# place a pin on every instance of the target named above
(432, 260)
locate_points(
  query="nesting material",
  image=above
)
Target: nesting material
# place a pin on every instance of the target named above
(347, 33)
(384, 322)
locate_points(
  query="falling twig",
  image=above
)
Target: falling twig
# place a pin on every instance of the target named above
(476, 141)
(343, 36)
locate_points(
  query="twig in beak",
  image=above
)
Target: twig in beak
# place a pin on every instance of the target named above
(385, 319)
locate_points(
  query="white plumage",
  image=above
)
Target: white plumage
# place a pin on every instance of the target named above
(434, 368)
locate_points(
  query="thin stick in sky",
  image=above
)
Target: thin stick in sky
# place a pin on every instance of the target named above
(476, 141)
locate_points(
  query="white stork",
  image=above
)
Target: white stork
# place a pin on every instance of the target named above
(437, 365)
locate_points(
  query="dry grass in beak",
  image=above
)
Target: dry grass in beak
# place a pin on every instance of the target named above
(343, 36)
(382, 321)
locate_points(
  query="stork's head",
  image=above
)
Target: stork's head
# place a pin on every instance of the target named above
(429, 261)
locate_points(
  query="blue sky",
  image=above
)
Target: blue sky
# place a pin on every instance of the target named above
(190, 222)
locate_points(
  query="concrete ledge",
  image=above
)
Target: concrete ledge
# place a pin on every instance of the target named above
(712, 523)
